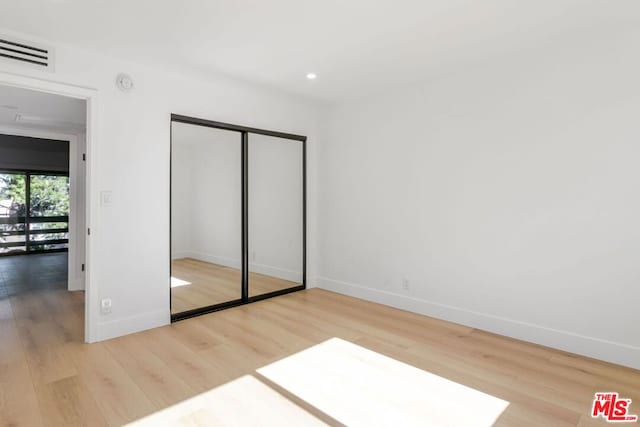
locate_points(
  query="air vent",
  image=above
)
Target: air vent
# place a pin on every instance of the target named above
(26, 53)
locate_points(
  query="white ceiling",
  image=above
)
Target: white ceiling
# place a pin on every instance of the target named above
(355, 46)
(41, 111)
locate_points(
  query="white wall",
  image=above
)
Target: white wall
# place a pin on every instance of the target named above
(505, 193)
(129, 246)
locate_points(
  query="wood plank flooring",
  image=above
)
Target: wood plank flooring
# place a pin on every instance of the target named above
(209, 284)
(195, 370)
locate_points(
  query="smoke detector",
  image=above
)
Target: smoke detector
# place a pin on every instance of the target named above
(124, 82)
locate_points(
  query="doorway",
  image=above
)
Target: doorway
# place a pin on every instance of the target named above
(43, 203)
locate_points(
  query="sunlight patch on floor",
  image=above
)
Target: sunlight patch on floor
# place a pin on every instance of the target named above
(242, 402)
(176, 283)
(344, 382)
(359, 387)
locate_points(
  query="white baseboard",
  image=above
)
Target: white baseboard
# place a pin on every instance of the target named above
(213, 259)
(132, 324)
(312, 282)
(180, 255)
(75, 284)
(614, 352)
(281, 273)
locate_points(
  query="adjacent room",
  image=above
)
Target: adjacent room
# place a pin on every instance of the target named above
(42, 210)
(285, 213)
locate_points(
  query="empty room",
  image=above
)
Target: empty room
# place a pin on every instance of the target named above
(293, 213)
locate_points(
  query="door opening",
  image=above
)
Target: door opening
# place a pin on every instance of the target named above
(43, 209)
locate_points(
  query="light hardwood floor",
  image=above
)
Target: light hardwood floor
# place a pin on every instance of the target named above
(210, 284)
(48, 377)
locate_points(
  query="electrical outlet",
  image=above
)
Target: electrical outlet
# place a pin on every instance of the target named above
(405, 284)
(105, 306)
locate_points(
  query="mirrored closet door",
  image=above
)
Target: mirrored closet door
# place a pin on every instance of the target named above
(275, 214)
(206, 217)
(237, 215)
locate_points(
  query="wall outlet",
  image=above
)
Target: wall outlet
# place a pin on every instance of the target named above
(105, 306)
(405, 284)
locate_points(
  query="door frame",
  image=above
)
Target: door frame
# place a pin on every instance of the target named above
(244, 132)
(75, 278)
(91, 96)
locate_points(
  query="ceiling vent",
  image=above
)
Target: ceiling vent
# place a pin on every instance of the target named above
(20, 52)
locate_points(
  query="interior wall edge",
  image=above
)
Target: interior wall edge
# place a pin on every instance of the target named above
(608, 351)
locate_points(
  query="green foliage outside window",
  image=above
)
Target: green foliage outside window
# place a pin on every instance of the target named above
(49, 197)
(49, 194)
(13, 194)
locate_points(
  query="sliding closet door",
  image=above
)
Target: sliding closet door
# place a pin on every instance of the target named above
(275, 214)
(206, 217)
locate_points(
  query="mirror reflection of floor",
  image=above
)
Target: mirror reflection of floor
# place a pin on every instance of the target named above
(197, 284)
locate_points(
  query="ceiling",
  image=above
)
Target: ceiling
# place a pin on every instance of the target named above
(356, 47)
(41, 111)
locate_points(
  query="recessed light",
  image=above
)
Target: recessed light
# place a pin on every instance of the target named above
(312, 76)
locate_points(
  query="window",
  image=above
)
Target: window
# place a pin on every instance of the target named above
(34, 212)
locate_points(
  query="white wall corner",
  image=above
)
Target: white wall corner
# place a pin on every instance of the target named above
(76, 284)
(312, 282)
(608, 351)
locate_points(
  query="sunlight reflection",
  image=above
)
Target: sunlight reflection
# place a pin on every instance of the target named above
(242, 402)
(357, 386)
(347, 383)
(176, 283)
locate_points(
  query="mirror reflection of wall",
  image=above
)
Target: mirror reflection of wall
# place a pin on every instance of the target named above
(206, 217)
(275, 214)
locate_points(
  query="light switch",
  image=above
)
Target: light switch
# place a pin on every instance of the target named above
(106, 198)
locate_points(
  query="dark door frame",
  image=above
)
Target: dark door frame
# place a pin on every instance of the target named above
(244, 132)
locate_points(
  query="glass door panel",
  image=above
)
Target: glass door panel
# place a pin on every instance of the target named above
(48, 212)
(275, 200)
